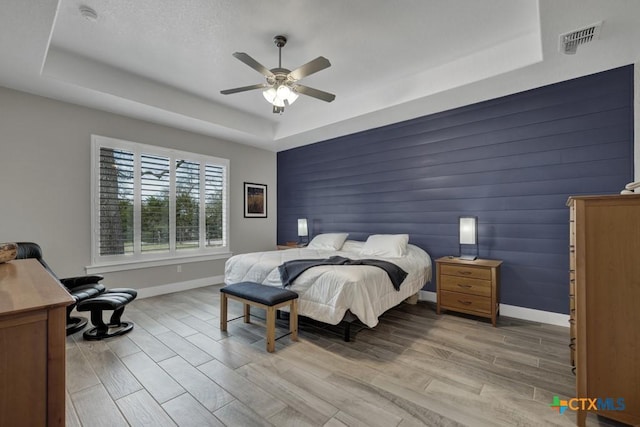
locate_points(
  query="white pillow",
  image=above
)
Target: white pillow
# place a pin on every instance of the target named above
(328, 241)
(386, 245)
(352, 246)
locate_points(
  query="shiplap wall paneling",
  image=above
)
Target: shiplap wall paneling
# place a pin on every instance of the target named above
(511, 161)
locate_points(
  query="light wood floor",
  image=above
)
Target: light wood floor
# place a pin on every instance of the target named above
(414, 369)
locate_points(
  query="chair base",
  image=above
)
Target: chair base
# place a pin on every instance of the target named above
(75, 324)
(99, 333)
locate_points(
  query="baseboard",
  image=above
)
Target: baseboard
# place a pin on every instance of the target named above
(505, 309)
(514, 311)
(169, 288)
(427, 296)
(547, 317)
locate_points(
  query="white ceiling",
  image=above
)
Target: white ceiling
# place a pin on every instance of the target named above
(167, 60)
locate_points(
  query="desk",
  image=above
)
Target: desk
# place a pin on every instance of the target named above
(32, 345)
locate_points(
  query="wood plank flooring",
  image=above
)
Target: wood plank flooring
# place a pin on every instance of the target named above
(414, 369)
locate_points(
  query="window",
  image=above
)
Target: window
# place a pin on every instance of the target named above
(154, 204)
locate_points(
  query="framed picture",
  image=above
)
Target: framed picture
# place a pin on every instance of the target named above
(255, 200)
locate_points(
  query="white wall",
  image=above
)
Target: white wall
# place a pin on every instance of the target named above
(636, 120)
(45, 175)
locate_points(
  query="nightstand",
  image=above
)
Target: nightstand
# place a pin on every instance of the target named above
(471, 287)
(288, 245)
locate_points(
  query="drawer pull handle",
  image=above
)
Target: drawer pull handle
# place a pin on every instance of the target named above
(465, 302)
(464, 272)
(462, 285)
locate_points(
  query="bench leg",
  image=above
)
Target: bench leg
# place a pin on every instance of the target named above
(293, 319)
(271, 329)
(223, 311)
(247, 313)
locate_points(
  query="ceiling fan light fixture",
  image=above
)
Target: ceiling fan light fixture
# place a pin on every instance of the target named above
(269, 94)
(287, 94)
(281, 96)
(283, 91)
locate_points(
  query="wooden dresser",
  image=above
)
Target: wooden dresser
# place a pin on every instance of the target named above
(604, 287)
(471, 287)
(32, 345)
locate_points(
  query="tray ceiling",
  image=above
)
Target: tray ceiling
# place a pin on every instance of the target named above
(166, 61)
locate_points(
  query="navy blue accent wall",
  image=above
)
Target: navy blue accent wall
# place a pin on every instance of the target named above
(511, 161)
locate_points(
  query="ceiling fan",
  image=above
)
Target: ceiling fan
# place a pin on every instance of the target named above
(282, 88)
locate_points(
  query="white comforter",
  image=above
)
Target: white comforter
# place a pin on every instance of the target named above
(327, 292)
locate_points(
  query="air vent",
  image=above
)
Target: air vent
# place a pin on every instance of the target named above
(569, 42)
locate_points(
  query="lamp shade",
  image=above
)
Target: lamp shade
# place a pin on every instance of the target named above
(468, 230)
(269, 94)
(302, 227)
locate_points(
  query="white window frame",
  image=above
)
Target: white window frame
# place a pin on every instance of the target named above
(138, 259)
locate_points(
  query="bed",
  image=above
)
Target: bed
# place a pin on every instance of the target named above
(328, 293)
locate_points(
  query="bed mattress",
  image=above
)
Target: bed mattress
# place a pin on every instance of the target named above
(327, 292)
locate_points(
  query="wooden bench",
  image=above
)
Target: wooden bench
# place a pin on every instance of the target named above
(267, 297)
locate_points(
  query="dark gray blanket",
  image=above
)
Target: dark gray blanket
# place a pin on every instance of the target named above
(290, 270)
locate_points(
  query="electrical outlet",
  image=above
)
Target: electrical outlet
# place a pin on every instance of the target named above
(179, 269)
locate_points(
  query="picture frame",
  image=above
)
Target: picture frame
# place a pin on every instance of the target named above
(255, 200)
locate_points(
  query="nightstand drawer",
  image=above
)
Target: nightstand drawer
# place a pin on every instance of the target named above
(465, 302)
(466, 271)
(466, 285)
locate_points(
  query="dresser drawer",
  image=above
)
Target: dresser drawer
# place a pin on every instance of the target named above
(466, 285)
(465, 302)
(466, 271)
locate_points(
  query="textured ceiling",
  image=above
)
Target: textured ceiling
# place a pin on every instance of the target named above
(166, 61)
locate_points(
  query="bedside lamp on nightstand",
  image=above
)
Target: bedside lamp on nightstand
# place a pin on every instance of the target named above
(469, 235)
(303, 232)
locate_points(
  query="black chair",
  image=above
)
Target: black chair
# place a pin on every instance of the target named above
(81, 288)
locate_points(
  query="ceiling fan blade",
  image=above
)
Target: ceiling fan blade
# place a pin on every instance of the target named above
(253, 63)
(243, 88)
(320, 63)
(315, 93)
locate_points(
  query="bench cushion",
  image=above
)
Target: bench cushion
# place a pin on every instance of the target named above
(262, 294)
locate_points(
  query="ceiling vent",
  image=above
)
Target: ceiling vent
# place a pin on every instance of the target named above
(569, 42)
